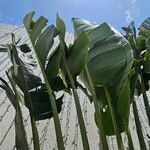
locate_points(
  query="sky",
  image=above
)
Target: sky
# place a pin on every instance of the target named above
(117, 13)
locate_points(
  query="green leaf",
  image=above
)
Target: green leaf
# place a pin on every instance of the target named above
(45, 42)
(110, 56)
(32, 80)
(138, 90)
(78, 54)
(141, 43)
(37, 28)
(107, 121)
(28, 20)
(20, 134)
(3, 49)
(81, 24)
(35, 34)
(145, 31)
(123, 103)
(61, 26)
(34, 29)
(57, 84)
(101, 95)
(53, 66)
(146, 78)
(126, 29)
(146, 65)
(41, 104)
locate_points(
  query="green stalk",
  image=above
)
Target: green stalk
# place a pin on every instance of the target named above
(59, 136)
(118, 135)
(60, 142)
(145, 98)
(77, 103)
(135, 112)
(138, 127)
(33, 124)
(97, 109)
(36, 143)
(18, 112)
(128, 133)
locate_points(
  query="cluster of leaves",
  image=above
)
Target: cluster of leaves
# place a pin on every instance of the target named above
(111, 66)
(140, 45)
(109, 61)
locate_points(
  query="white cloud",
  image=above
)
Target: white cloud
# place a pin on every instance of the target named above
(132, 12)
(129, 16)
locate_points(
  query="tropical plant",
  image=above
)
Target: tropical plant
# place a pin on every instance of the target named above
(29, 90)
(113, 67)
(141, 75)
(110, 58)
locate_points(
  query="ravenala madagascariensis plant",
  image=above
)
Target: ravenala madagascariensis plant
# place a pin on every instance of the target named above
(110, 59)
(141, 75)
(113, 68)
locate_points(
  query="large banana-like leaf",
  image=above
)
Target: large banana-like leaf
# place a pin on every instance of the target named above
(77, 53)
(41, 104)
(53, 63)
(110, 55)
(61, 26)
(107, 121)
(106, 114)
(52, 70)
(145, 29)
(43, 47)
(110, 59)
(145, 33)
(42, 38)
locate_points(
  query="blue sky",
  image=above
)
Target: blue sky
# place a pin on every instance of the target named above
(116, 12)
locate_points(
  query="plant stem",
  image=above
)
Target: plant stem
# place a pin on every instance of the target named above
(118, 135)
(60, 142)
(128, 133)
(135, 111)
(97, 109)
(138, 127)
(59, 136)
(35, 133)
(145, 98)
(77, 103)
(26, 93)
(54, 109)
(18, 116)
